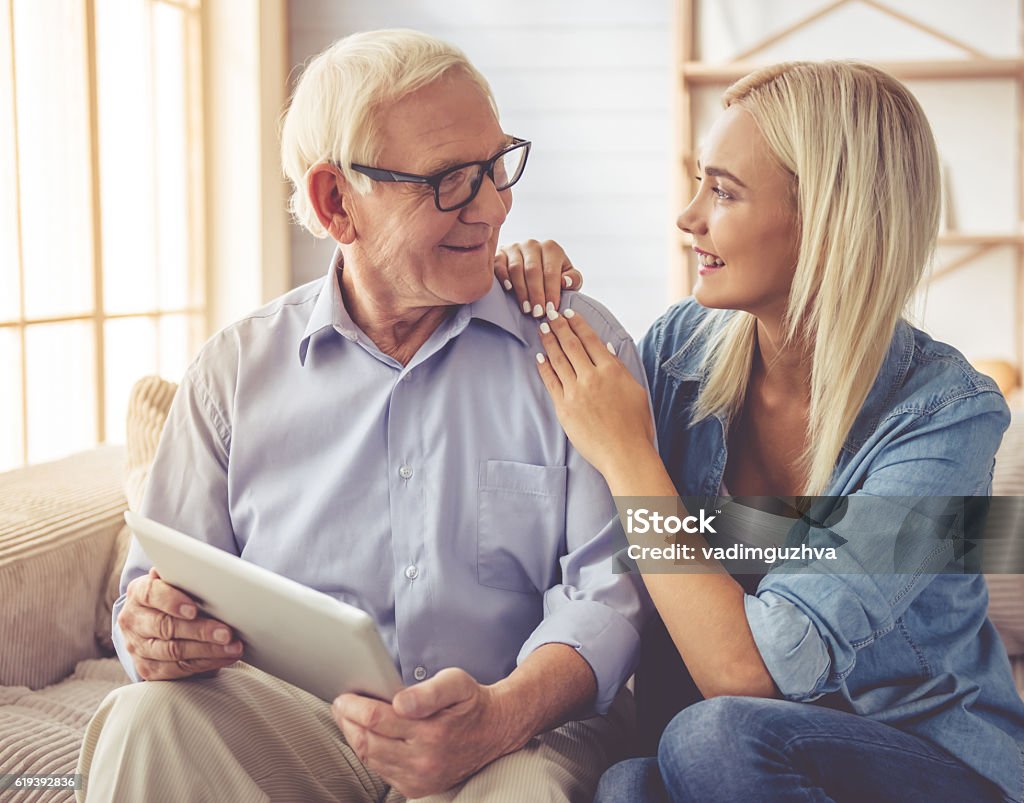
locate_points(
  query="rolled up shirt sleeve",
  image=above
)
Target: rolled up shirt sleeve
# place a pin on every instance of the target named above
(187, 485)
(595, 611)
(892, 541)
(790, 645)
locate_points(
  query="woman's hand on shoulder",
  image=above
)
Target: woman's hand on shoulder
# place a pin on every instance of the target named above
(602, 408)
(536, 272)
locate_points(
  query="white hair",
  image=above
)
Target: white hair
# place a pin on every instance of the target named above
(332, 113)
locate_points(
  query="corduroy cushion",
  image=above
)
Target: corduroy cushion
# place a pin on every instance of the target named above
(41, 731)
(58, 525)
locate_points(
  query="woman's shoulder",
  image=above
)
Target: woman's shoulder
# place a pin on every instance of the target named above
(683, 329)
(940, 377)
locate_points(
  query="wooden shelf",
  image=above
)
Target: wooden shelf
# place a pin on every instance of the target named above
(702, 74)
(968, 238)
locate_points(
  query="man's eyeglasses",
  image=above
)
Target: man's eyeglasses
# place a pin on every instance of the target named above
(456, 187)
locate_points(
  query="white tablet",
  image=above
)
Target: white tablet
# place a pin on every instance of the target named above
(302, 636)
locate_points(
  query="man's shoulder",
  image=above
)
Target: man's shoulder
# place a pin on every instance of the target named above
(597, 315)
(276, 318)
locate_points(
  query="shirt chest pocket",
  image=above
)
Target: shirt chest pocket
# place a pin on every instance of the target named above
(520, 525)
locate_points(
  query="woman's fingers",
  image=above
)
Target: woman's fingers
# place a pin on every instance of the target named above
(533, 261)
(572, 279)
(554, 264)
(598, 350)
(571, 345)
(538, 273)
(516, 277)
(501, 269)
(556, 356)
(549, 377)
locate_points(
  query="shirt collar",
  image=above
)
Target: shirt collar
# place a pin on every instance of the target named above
(329, 312)
(882, 396)
(686, 365)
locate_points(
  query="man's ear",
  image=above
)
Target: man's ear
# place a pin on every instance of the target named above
(330, 195)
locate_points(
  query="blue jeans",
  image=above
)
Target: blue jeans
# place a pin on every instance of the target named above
(750, 749)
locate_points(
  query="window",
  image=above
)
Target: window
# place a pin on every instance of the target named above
(101, 219)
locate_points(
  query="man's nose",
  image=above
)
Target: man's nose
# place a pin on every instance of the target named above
(489, 206)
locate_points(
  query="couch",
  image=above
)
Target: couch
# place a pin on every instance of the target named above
(62, 545)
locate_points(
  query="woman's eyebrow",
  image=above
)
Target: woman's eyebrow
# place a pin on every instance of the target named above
(710, 170)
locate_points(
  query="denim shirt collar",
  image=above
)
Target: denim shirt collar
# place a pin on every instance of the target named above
(890, 379)
(685, 365)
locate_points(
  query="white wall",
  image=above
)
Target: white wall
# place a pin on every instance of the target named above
(589, 84)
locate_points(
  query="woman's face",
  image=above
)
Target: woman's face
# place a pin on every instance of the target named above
(743, 221)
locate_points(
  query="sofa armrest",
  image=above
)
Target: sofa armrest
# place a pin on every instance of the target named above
(59, 523)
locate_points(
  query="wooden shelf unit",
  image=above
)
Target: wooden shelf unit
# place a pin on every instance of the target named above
(974, 65)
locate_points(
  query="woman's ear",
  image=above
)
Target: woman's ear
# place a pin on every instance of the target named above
(330, 195)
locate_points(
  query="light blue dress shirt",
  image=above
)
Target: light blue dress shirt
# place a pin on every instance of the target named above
(441, 497)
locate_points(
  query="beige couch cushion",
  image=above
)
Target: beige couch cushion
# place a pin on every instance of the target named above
(41, 731)
(58, 525)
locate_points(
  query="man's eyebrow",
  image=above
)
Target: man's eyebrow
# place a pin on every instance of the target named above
(711, 170)
(443, 164)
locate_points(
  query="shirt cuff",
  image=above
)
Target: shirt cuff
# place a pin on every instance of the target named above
(604, 638)
(117, 637)
(790, 645)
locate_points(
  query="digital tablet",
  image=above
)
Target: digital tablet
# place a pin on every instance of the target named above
(302, 636)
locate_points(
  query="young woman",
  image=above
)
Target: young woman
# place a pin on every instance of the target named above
(791, 371)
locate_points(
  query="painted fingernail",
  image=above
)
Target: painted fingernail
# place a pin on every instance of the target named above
(538, 310)
(552, 312)
(221, 635)
(569, 313)
(545, 328)
(611, 348)
(567, 281)
(526, 307)
(507, 284)
(188, 611)
(541, 358)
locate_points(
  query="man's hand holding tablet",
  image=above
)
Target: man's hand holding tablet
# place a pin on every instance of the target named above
(166, 635)
(174, 619)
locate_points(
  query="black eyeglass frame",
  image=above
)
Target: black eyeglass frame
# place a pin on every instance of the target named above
(486, 165)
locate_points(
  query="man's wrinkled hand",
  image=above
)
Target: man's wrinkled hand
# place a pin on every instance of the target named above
(166, 635)
(431, 736)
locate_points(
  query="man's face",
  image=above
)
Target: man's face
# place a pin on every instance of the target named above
(416, 254)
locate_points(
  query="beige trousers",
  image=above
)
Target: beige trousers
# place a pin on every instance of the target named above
(244, 735)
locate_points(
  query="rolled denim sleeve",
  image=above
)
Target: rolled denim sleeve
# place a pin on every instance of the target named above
(594, 610)
(810, 624)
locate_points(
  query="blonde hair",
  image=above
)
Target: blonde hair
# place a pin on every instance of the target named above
(867, 190)
(332, 113)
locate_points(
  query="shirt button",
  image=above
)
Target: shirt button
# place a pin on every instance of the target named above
(405, 472)
(412, 572)
(420, 673)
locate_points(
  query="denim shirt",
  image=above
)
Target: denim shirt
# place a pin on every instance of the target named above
(914, 650)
